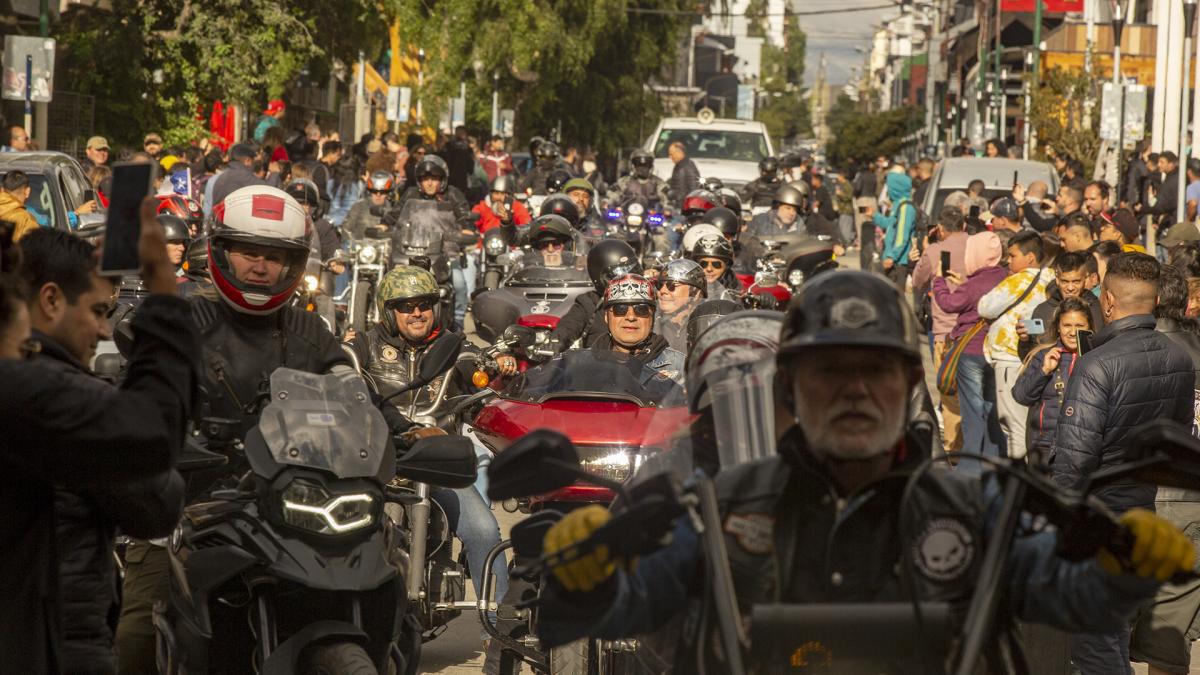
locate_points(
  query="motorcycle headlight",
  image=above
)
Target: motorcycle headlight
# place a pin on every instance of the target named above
(494, 246)
(617, 464)
(367, 254)
(311, 282)
(308, 506)
(795, 278)
(636, 209)
(633, 220)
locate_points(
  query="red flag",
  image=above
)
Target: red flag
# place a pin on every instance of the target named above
(1048, 6)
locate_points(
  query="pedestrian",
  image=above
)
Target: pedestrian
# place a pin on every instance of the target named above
(1121, 226)
(1132, 373)
(976, 392)
(270, 118)
(995, 148)
(14, 192)
(1070, 281)
(64, 429)
(239, 173)
(1013, 300)
(495, 160)
(95, 153)
(1166, 193)
(843, 199)
(152, 145)
(924, 171)
(897, 228)
(1043, 377)
(947, 237)
(1095, 200)
(685, 177)
(1076, 233)
(18, 140)
(1192, 192)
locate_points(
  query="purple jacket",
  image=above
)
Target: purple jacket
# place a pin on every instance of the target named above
(965, 299)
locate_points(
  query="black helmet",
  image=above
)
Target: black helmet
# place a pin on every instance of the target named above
(561, 205)
(791, 195)
(550, 226)
(547, 150)
(174, 227)
(712, 246)
(534, 144)
(768, 165)
(506, 184)
(305, 192)
(849, 308)
(705, 315)
(790, 160)
(725, 220)
(730, 200)
(712, 184)
(196, 256)
(641, 157)
(610, 259)
(431, 165)
(684, 271)
(556, 180)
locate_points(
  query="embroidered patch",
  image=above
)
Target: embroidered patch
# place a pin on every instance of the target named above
(945, 550)
(1070, 411)
(852, 313)
(390, 353)
(754, 531)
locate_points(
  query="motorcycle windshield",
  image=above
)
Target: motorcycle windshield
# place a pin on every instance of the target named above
(422, 225)
(742, 401)
(533, 270)
(594, 374)
(324, 422)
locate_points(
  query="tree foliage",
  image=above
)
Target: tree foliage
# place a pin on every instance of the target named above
(581, 64)
(857, 135)
(1056, 111)
(152, 64)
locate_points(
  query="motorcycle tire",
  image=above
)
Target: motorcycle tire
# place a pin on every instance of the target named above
(339, 658)
(358, 319)
(571, 659)
(491, 280)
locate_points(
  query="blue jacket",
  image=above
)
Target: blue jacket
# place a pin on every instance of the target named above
(898, 225)
(1044, 395)
(1133, 374)
(792, 537)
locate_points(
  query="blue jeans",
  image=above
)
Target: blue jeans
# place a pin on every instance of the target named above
(472, 521)
(459, 279)
(976, 402)
(1101, 653)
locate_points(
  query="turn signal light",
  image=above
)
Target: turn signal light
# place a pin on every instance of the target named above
(480, 379)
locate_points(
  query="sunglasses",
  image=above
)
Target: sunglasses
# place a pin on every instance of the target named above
(715, 264)
(640, 311)
(410, 306)
(670, 285)
(378, 192)
(549, 243)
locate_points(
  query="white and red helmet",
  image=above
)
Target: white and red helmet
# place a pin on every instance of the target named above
(265, 217)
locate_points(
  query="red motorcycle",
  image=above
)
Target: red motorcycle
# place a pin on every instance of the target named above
(617, 413)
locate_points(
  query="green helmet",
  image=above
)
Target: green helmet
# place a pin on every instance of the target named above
(578, 184)
(404, 282)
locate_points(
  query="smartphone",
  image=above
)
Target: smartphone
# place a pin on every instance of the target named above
(131, 183)
(975, 211)
(1035, 326)
(945, 262)
(1014, 177)
(1085, 341)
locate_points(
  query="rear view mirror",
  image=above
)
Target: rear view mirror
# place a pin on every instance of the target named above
(443, 461)
(541, 461)
(1165, 453)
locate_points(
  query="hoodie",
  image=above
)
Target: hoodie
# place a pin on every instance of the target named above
(981, 255)
(898, 225)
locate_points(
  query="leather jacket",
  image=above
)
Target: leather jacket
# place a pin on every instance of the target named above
(760, 191)
(652, 189)
(391, 362)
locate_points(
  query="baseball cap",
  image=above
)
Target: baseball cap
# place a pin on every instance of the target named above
(1125, 222)
(1005, 207)
(152, 138)
(97, 143)
(274, 106)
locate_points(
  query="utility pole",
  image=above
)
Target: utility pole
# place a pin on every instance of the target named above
(1118, 26)
(1189, 20)
(1037, 64)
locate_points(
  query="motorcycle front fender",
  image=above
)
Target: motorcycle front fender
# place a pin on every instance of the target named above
(284, 660)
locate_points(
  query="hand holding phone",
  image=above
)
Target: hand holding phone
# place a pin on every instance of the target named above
(1085, 341)
(1035, 326)
(122, 229)
(945, 262)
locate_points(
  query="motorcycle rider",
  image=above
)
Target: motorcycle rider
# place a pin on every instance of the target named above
(546, 154)
(561, 206)
(580, 191)
(499, 209)
(788, 205)
(390, 352)
(681, 287)
(372, 207)
(257, 252)
(185, 208)
(553, 241)
(607, 260)
(557, 180)
(640, 183)
(829, 509)
(629, 305)
(761, 191)
(715, 255)
(178, 239)
(432, 176)
(697, 203)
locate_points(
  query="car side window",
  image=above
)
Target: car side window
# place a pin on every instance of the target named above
(75, 186)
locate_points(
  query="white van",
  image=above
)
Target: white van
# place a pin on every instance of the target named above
(721, 148)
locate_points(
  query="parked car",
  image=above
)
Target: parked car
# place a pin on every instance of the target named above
(721, 148)
(996, 173)
(59, 186)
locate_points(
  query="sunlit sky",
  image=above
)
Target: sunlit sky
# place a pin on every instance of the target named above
(837, 35)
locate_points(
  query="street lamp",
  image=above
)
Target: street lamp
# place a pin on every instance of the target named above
(1118, 26)
(1189, 21)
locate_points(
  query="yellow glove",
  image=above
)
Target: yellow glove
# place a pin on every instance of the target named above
(590, 570)
(1159, 549)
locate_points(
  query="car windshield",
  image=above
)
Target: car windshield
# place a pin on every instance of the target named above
(41, 199)
(324, 422)
(744, 146)
(595, 374)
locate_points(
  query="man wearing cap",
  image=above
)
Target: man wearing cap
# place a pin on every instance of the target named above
(580, 191)
(1122, 227)
(96, 153)
(1006, 219)
(831, 517)
(237, 175)
(153, 145)
(270, 118)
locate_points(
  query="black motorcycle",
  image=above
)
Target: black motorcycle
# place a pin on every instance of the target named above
(292, 570)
